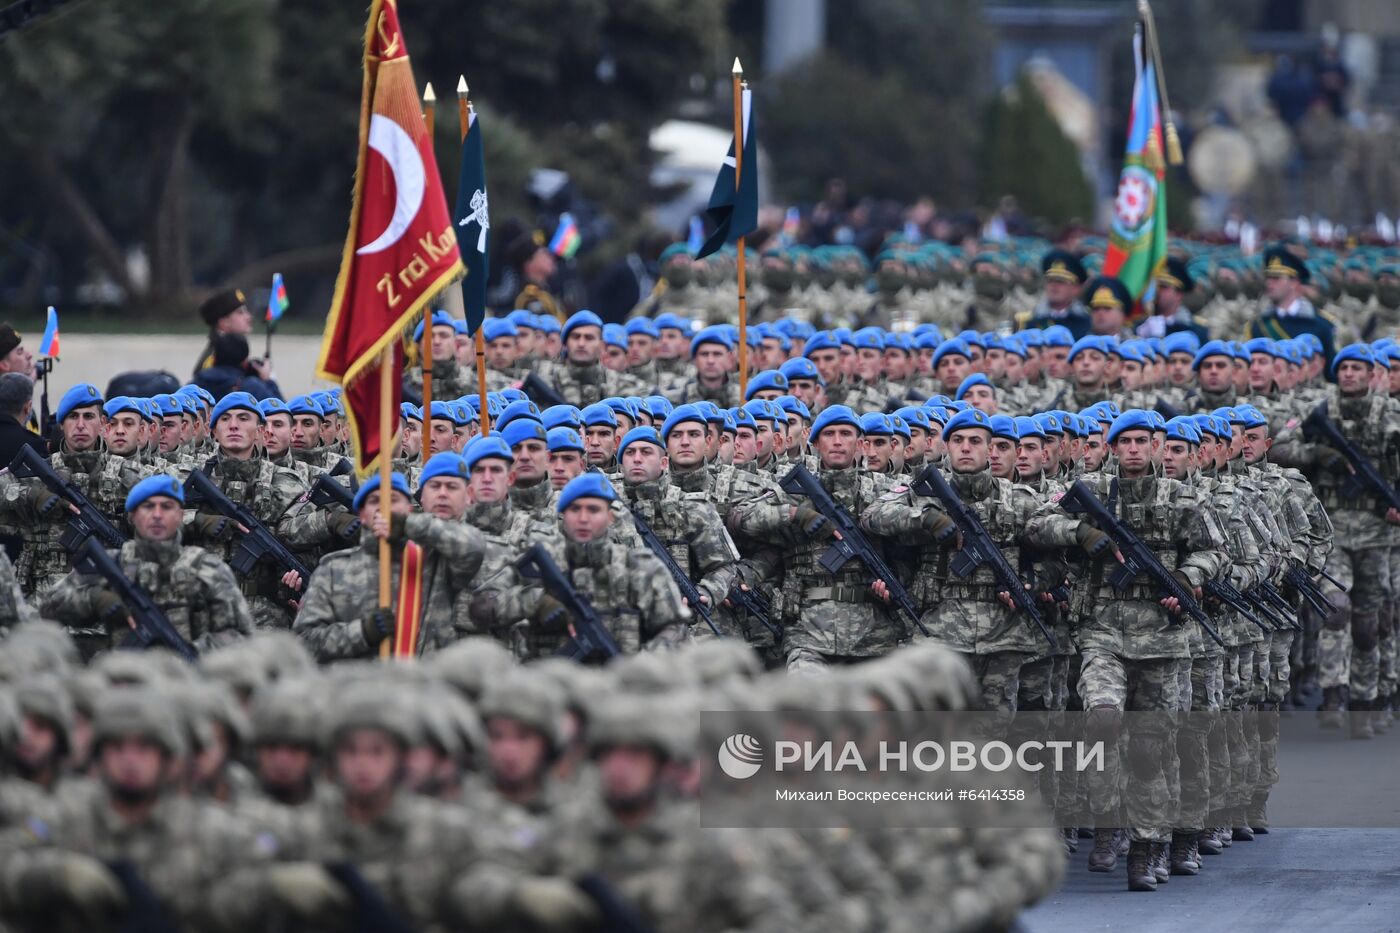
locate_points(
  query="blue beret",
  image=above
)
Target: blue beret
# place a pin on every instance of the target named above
(162, 484)
(564, 439)
(1359, 352)
(958, 406)
(199, 392)
(1206, 424)
(599, 413)
(544, 323)
(794, 406)
(672, 251)
(928, 340)
(738, 418)
(1182, 341)
(713, 334)
(765, 410)
(1239, 350)
(1104, 412)
(440, 319)
(1033, 337)
(585, 485)
(496, 327)
(658, 406)
(767, 379)
(821, 340)
(397, 483)
(976, 379)
(901, 427)
(168, 405)
(1057, 335)
(447, 463)
(844, 336)
(446, 411)
(643, 326)
(521, 409)
(712, 412)
(1027, 427)
(1050, 423)
(482, 447)
(464, 414)
(82, 395)
(915, 417)
(408, 411)
(1131, 351)
(1088, 342)
(833, 415)
(937, 416)
(669, 321)
(1183, 428)
(275, 406)
(1012, 343)
(614, 335)
(868, 338)
(1134, 419)
(1226, 414)
(968, 418)
(679, 415)
(305, 405)
(511, 394)
(236, 401)
(950, 347)
(121, 403)
(800, 368)
(191, 403)
(875, 422)
(643, 434)
(1005, 426)
(1211, 348)
(1251, 417)
(520, 317)
(562, 416)
(581, 319)
(624, 407)
(523, 429)
(462, 328)
(1312, 341)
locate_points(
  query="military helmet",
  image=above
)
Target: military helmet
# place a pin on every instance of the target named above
(9, 721)
(715, 660)
(140, 711)
(49, 646)
(528, 698)
(216, 703)
(468, 665)
(128, 668)
(374, 706)
(45, 697)
(631, 719)
(286, 713)
(283, 654)
(237, 666)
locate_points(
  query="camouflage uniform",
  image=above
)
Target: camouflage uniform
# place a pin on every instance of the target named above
(14, 608)
(103, 477)
(537, 501)
(583, 385)
(195, 590)
(725, 395)
(496, 600)
(450, 380)
(344, 589)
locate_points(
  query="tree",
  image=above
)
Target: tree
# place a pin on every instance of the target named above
(1027, 155)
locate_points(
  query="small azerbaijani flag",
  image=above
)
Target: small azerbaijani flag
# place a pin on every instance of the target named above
(792, 225)
(48, 346)
(277, 302)
(566, 237)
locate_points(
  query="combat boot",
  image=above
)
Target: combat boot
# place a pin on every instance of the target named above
(1359, 719)
(1255, 813)
(1208, 842)
(1071, 837)
(1241, 832)
(1381, 716)
(1185, 860)
(1223, 834)
(1330, 713)
(1103, 857)
(1141, 877)
(1161, 862)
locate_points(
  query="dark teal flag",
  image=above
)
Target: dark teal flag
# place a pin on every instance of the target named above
(473, 224)
(735, 212)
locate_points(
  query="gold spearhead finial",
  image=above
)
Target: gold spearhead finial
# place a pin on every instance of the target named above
(738, 69)
(462, 86)
(428, 96)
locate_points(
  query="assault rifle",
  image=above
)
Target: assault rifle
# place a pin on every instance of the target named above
(590, 638)
(152, 627)
(852, 544)
(87, 522)
(1366, 476)
(689, 590)
(257, 543)
(978, 548)
(1138, 558)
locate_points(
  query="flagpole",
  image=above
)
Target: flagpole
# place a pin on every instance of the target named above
(425, 349)
(739, 85)
(386, 431)
(464, 124)
(1173, 141)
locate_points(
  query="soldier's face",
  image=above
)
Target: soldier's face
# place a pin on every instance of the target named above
(1257, 443)
(444, 343)
(1131, 374)
(1030, 457)
(869, 363)
(1095, 452)
(549, 345)
(518, 753)
(1353, 377)
(500, 353)
(1113, 369)
(38, 742)
(1134, 452)
(771, 354)
(643, 462)
(1001, 457)
(132, 767)
(796, 433)
(236, 431)
(19, 360)
(600, 441)
(952, 370)
(711, 361)
(1056, 361)
(615, 357)
(283, 768)
(672, 344)
(1177, 459)
(878, 450)
(1281, 289)
(587, 519)
(1393, 383)
(686, 445)
(1261, 371)
(306, 432)
(828, 363)
(157, 519)
(441, 436)
(982, 398)
(445, 497)
(1241, 370)
(410, 437)
(564, 465)
(123, 432)
(531, 461)
(491, 480)
(639, 348)
(368, 763)
(745, 446)
(1088, 367)
(967, 450)
(1059, 294)
(848, 360)
(585, 344)
(837, 446)
(917, 445)
(630, 775)
(82, 428)
(724, 447)
(1014, 367)
(1216, 373)
(277, 434)
(1179, 368)
(996, 363)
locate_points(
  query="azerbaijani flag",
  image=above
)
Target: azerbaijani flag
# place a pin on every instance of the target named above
(566, 237)
(48, 345)
(1137, 243)
(277, 302)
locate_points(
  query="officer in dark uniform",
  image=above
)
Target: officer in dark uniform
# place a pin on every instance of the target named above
(534, 265)
(1288, 313)
(1064, 276)
(226, 312)
(1169, 311)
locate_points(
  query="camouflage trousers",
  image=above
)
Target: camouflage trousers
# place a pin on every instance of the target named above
(1045, 688)
(1241, 732)
(999, 675)
(1390, 623)
(1349, 643)
(1109, 685)
(1200, 743)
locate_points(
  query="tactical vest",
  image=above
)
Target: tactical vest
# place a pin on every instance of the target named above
(1366, 430)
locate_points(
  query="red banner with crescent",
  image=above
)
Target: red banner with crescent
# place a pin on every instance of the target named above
(401, 249)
